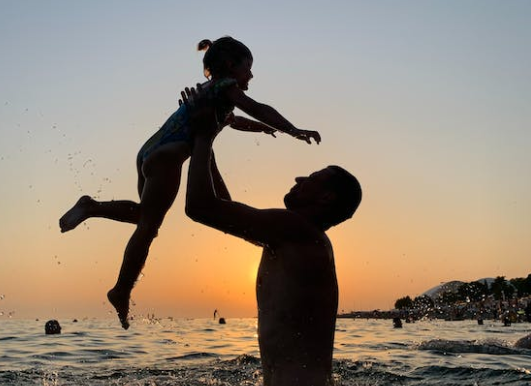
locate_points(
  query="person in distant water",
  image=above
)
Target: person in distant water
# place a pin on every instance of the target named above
(227, 65)
(52, 327)
(397, 322)
(296, 287)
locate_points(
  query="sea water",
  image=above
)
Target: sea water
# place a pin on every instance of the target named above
(193, 352)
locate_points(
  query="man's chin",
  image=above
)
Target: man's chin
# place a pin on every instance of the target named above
(288, 201)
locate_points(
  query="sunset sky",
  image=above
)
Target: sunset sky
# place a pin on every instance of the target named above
(426, 102)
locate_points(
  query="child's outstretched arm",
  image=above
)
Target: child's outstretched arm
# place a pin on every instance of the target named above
(269, 115)
(245, 124)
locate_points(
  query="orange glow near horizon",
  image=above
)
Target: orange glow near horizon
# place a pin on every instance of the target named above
(433, 121)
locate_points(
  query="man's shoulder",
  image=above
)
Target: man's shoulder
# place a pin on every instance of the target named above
(299, 235)
(295, 222)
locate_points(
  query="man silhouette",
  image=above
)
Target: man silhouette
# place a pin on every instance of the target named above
(296, 286)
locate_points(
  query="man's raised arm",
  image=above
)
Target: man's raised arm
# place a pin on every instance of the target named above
(259, 226)
(201, 195)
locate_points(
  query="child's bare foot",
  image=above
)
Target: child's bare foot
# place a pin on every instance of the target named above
(76, 215)
(120, 302)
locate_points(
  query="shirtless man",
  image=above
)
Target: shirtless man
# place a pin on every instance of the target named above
(296, 286)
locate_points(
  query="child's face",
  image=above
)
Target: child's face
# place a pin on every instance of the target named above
(242, 73)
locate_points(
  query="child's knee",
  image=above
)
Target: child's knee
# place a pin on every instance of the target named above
(149, 227)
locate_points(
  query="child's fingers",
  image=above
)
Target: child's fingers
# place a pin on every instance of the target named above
(316, 136)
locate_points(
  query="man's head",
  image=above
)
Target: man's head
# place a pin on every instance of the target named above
(332, 195)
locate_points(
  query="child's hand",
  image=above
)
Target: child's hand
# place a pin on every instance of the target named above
(270, 131)
(307, 135)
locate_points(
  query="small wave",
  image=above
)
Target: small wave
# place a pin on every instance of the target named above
(377, 373)
(79, 333)
(473, 376)
(468, 346)
(167, 341)
(105, 354)
(53, 355)
(4, 338)
(369, 373)
(245, 371)
(193, 356)
(244, 359)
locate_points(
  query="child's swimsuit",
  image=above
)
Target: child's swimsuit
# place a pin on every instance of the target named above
(177, 127)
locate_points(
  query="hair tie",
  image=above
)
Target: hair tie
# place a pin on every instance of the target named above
(204, 45)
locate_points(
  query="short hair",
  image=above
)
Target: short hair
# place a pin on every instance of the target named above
(221, 51)
(348, 195)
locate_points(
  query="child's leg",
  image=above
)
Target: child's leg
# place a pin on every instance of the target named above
(162, 172)
(86, 207)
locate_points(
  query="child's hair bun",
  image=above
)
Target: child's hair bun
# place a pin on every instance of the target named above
(204, 45)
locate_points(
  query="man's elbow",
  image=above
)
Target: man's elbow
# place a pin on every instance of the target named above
(197, 212)
(193, 211)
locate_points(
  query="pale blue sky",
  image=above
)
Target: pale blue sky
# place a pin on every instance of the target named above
(427, 102)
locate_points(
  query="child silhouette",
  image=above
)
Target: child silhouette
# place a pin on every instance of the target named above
(227, 65)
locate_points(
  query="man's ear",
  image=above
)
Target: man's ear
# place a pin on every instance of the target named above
(327, 198)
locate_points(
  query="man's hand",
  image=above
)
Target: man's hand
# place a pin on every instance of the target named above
(201, 111)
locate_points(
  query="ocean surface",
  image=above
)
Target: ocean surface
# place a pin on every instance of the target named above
(198, 352)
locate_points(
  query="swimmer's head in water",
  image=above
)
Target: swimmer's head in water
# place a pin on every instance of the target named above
(52, 327)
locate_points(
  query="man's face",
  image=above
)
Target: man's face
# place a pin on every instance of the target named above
(308, 190)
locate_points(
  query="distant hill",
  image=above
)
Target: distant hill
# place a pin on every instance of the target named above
(451, 286)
